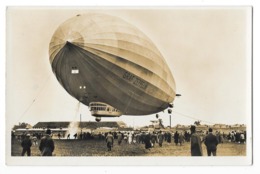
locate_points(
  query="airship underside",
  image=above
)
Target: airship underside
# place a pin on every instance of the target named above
(96, 63)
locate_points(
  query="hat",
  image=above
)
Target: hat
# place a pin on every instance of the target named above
(48, 131)
(192, 128)
(28, 135)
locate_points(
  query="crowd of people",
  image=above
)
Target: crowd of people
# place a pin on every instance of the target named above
(46, 145)
(149, 139)
(195, 138)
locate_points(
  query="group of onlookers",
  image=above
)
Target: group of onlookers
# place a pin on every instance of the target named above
(46, 145)
(237, 136)
(149, 139)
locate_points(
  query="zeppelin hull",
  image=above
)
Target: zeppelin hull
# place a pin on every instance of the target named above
(121, 71)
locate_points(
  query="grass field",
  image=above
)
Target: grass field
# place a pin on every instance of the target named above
(98, 148)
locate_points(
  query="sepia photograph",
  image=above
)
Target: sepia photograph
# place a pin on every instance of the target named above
(131, 86)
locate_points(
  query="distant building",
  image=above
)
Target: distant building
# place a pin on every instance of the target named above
(63, 127)
(85, 125)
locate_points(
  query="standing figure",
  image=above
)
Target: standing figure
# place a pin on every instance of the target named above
(120, 138)
(75, 136)
(181, 138)
(137, 137)
(147, 141)
(169, 137)
(35, 140)
(26, 144)
(211, 142)
(242, 138)
(195, 142)
(129, 138)
(176, 138)
(160, 138)
(109, 141)
(153, 139)
(47, 144)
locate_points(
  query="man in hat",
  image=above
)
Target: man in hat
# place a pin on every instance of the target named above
(110, 141)
(47, 144)
(26, 144)
(160, 138)
(147, 141)
(195, 142)
(211, 143)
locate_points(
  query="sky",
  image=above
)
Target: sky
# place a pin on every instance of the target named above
(207, 49)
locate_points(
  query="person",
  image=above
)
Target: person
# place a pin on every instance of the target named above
(120, 138)
(169, 137)
(137, 137)
(176, 138)
(211, 142)
(242, 138)
(160, 138)
(129, 137)
(35, 140)
(26, 144)
(153, 139)
(75, 136)
(109, 141)
(134, 138)
(181, 138)
(68, 136)
(47, 144)
(147, 141)
(195, 142)
(125, 137)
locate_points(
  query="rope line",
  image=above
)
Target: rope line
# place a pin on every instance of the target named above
(185, 115)
(35, 98)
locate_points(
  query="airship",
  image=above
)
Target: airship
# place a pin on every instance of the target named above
(110, 66)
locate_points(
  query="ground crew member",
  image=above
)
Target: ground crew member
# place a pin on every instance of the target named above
(26, 144)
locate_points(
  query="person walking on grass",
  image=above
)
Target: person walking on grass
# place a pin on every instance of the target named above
(176, 138)
(181, 138)
(26, 144)
(120, 138)
(153, 139)
(147, 141)
(195, 142)
(109, 141)
(211, 142)
(160, 138)
(47, 144)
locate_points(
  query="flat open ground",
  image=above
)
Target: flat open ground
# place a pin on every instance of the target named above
(98, 148)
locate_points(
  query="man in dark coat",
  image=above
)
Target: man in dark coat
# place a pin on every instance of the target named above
(109, 141)
(160, 138)
(176, 138)
(153, 139)
(147, 141)
(120, 137)
(47, 144)
(26, 144)
(211, 143)
(195, 142)
(75, 136)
